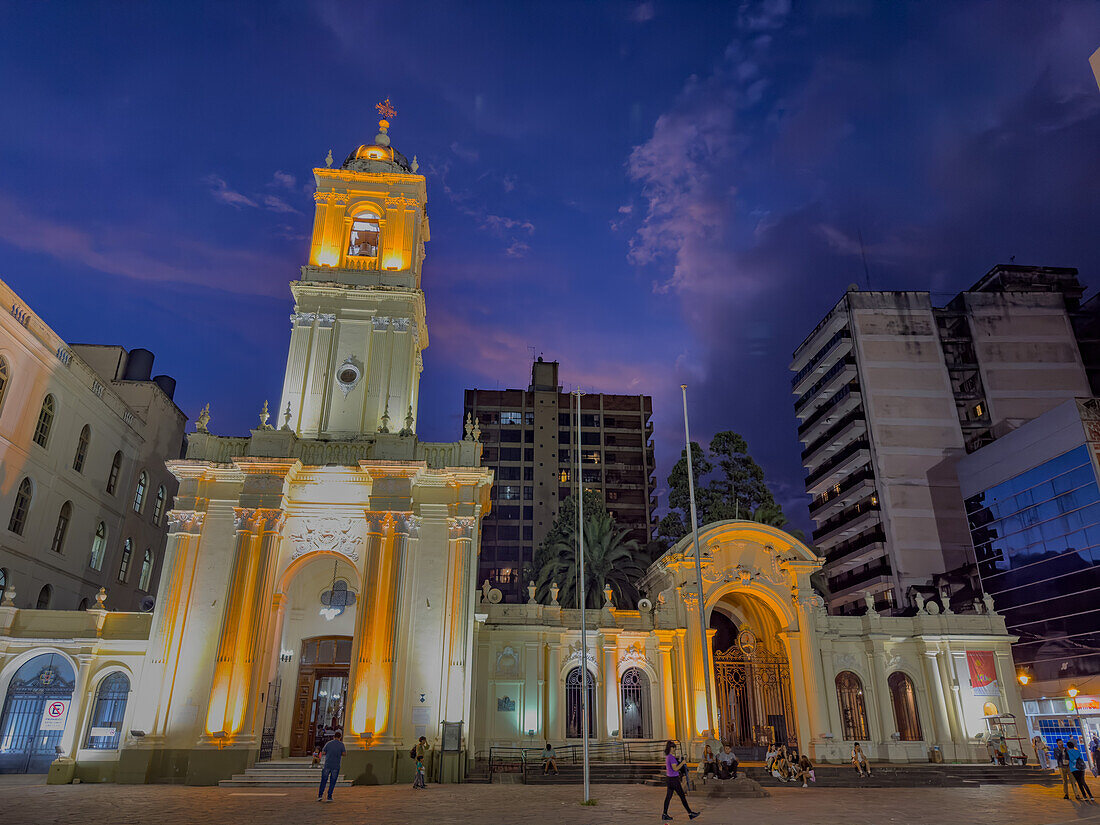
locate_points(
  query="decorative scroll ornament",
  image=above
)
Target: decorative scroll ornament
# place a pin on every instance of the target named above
(633, 656)
(575, 654)
(507, 662)
(326, 533)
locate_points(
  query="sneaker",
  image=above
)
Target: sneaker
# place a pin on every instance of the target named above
(804, 785)
(329, 799)
(666, 818)
(1064, 797)
(320, 799)
(694, 814)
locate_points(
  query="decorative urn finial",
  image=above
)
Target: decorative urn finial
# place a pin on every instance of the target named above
(203, 420)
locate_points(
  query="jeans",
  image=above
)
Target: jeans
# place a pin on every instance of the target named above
(1079, 776)
(328, 776)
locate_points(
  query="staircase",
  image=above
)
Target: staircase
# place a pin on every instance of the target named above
(885, 775)
(281, 773)
(599, 773)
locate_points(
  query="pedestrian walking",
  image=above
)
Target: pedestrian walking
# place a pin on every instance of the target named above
(1094, 752)
(549, 760)
(675, 768)
(332, 753)
(859, 759)
(1040, 746)
(419, 753)
(1061, 759)
(1077, 767)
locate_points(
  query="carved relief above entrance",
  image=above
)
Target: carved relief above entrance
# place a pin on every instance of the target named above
(336, 535)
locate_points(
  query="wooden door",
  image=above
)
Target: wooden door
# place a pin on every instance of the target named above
(301, 733)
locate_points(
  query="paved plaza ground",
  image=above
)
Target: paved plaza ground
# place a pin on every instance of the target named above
(506, 804)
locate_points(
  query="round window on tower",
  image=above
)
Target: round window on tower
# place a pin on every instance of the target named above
(347, 375)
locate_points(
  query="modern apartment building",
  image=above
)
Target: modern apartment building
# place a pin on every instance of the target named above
(84, 492)
(892, 390)
(529, 439)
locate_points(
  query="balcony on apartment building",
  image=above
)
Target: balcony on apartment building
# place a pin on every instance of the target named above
(853, 488)
(836, 376)
(864, 578)
(836, 347)
(849, 522)
(842, 402)
(836, 468)
(856, 551)
(834, 439)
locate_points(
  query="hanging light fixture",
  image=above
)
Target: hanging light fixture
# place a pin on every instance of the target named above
(329, 610)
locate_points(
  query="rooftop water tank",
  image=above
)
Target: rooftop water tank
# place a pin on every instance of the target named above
(139, 365)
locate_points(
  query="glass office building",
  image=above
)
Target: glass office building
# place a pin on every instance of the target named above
(1033, 506)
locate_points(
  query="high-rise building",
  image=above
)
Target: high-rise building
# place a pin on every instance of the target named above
(891, 390)
(530, 440)
(1033, 502)
(84, 434)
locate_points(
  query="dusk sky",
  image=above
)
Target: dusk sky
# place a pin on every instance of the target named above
(649, 192)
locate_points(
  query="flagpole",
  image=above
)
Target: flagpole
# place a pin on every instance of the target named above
(584, 626)
(704, 652)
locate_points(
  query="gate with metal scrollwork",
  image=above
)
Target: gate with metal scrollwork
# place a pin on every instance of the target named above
(24, 746)
(754, 697)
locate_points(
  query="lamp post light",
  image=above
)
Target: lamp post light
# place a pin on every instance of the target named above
(1023, 678)
(1073, 691)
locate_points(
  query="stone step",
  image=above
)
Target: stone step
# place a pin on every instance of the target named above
(252, 783)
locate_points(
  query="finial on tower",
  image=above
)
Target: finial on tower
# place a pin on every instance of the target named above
(264, 415)
(385, 112)
(328, 159)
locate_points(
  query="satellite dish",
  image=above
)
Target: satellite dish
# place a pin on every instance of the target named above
(147, 604)
(645, 604)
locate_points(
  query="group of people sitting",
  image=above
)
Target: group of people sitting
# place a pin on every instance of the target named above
(722, 765)
(787, 765)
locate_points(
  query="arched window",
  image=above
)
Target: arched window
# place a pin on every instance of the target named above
(990, 709)
(112, 477)
(5, 377)
(363, 240)
(63, 519)
(44, 595)
(574, 703)
(124, 564)
(83, 604)
(21, 508)
(158, 505)
(3, 583)
(146, 570)
(105, 727)
(45, 422)
(636, 713)
(853, 710)
(99, 547)
(904, 699)
(82, 448)
(139, 491)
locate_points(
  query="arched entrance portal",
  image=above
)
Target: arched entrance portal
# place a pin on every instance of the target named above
(28, 738)
(752, 675)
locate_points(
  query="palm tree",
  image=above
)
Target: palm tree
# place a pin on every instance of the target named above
(610, 559)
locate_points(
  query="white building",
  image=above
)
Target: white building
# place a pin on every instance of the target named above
(84, 491)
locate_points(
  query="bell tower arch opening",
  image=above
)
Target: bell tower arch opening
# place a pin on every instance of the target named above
(752, 675)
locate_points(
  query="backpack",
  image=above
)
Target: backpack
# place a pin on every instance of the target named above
(1080, 766)
(412, 753)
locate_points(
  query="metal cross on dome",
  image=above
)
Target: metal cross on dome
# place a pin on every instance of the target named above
(385, 109)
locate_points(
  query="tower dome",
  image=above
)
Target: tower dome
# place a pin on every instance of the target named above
(380, 156)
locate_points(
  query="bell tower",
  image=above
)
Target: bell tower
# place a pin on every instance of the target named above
(359, 328)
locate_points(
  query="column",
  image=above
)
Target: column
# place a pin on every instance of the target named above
(801, 697)
(78, 708)
(362, 675)
(695, 668)
(609, 642)
(667, 690)
(257, 645)
(876, 667)
(555, 721)
(218, 715)
(938, 700)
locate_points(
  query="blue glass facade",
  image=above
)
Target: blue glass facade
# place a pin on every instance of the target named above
(1037, 540)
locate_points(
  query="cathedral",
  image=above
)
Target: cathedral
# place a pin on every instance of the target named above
(320, 575)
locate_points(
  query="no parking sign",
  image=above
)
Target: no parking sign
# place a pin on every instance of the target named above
(54, 714)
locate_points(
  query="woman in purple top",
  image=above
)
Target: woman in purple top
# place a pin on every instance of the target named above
(673, 766)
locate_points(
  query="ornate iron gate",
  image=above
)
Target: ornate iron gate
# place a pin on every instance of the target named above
(24, 747)
(754, 696)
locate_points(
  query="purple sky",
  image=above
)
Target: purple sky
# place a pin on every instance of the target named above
(649, 192)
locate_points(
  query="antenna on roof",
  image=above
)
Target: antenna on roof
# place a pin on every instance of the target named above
(863, 254)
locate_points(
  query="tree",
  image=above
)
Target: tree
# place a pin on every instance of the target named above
(609, 557)
(735, 489)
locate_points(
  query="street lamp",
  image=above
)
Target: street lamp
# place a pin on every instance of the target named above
(1023, 678)
(1073, 691)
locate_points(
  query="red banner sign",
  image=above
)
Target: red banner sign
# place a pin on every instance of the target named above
(983, 672)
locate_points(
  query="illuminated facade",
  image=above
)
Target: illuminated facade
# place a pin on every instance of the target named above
(321, 573)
